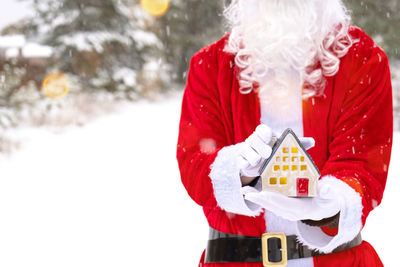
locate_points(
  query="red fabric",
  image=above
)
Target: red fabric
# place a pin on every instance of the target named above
(330, 231)
(351, 124)
(363, 255)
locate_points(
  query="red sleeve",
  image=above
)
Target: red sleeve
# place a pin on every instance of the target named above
(361, 140)
(207, 157)
(359, 143)
(201, 130)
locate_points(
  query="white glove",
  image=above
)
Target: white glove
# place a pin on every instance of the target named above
(253, 150)
(325, 205)
(256, 149)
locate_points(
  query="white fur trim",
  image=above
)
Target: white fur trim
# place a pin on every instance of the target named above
(350, 223)
(277, 224)
(226, 182)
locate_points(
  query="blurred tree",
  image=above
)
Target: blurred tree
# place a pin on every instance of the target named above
(104, 43)
(381, 20)
(188, 26)
(114, 44)
(192, 24)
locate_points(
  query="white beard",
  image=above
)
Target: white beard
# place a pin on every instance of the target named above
(279, 42)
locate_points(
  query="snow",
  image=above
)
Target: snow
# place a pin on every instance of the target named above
(64, 18)
(145, 38)
(16, 41)
(151, 70)
(12, 53)
(109, 194)
(381, 226)
(83, 41)
(106, 194)
(36, 50)
(127, 75)
(13, 43)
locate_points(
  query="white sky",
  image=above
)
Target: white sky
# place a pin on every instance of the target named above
(12, 11)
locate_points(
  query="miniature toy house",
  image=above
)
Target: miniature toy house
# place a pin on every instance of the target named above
(290, 170)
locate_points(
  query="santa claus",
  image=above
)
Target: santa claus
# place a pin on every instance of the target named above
(295, 64)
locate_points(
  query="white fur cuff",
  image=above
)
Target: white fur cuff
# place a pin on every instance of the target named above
(226, 182)
(350, 223)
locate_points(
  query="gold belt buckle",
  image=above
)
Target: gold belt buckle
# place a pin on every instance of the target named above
(283, 249)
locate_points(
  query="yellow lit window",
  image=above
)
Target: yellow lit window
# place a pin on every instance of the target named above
(277, 167)
(294, 168)
(273, 180)
(285, 150)
(285, 159)
(295, 150)
(278, 159)
(285, 167)
(294, 159)
(303, 167)
(301, 158)
(283, 180)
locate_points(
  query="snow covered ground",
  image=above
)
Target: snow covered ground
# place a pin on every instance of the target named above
(109, 194)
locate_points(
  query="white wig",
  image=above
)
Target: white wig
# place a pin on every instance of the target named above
(272, 37)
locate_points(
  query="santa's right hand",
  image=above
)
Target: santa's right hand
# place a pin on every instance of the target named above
(254, 151)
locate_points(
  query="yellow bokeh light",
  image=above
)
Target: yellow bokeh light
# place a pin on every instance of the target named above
(156, 8)
(55, 85)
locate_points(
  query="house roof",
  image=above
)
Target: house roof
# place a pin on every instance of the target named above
(278, 144)
(12, 41)
(12, 44)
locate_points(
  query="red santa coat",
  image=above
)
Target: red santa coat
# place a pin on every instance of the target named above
(352, 125)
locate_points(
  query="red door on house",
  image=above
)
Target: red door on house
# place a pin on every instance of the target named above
(302, 187)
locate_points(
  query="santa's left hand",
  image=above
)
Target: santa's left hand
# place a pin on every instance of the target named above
(326, 204)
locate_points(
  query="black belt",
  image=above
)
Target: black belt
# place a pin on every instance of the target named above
(271, 248)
